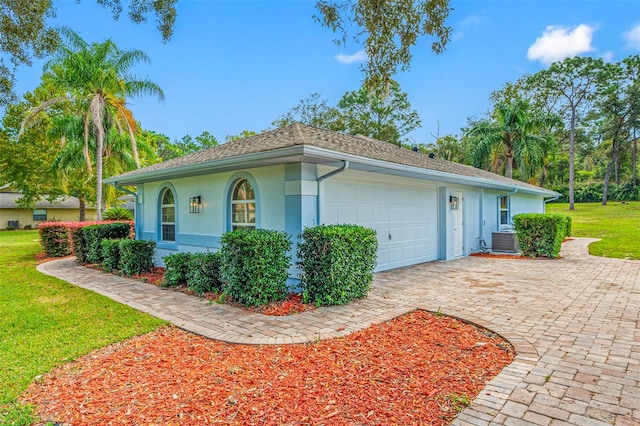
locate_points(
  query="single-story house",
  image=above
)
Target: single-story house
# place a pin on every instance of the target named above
(422, 207)
(13, 217)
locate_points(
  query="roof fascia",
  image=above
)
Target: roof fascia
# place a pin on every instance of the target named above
(422, 173)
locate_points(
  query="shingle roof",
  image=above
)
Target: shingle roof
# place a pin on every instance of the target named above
(8, 201)
(300, 134)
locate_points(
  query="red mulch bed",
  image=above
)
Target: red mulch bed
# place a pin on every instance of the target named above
(291, 305)
(416, 369)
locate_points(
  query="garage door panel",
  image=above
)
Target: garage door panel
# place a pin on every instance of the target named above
(407, 213)
(365, 214)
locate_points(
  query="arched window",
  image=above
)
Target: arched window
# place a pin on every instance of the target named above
(243, 206)
(168, 216)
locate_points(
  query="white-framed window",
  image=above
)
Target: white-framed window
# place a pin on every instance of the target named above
(243, 206)
(168, 216)
(504, 210)
(39, 214)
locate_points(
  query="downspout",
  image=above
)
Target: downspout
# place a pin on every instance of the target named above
(506, 194)
(549, 200)
(345, 166)
(135, 207)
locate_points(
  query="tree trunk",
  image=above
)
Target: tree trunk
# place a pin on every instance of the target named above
(634, 160)
(509, 169)
(614, 158)
(572, 149)
(617, 168)
(543, 176)
(83, 208)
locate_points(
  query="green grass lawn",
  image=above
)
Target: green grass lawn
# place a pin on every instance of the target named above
(47, 322)
(617, 224)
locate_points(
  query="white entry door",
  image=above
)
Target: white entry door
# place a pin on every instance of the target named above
(404, 216)
(458, 225)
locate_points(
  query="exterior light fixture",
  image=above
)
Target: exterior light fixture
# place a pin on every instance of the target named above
(195, 203)
(454, 202)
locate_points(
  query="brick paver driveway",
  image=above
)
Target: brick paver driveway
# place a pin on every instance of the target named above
(575, 324)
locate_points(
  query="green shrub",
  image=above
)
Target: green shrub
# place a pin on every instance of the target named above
(337, 263)
(136, 256)
(540, 235)
(568, 223)
(255, 265)
(117, 213)
(94, 234)
(591, 192)
(110, 254)
(79, 244)
(204, 273)
(176, 269)
(27, 227)
(54, 238)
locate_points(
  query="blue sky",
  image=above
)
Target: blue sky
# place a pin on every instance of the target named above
(240, 64)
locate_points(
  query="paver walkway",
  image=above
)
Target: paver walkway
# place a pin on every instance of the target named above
(574, 322)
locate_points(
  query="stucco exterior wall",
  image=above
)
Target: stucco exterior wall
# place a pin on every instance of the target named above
(202, 231)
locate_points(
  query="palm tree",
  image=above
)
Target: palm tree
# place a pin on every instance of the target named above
(96, 80)
(515, 134)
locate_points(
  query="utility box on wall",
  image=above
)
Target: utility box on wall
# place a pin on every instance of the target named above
(505, 241)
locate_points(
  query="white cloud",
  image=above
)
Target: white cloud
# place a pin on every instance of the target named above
(359, 56)
(633, 37)
(607, 56)
(468, 22)
(557, 43)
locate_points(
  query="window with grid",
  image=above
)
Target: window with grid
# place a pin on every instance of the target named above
(168, 216)
(504, 210)
(40, 214)
(243, 206)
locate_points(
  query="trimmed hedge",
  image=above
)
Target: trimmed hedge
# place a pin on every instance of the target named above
(337, 263)
(79, 245)
(54, 238)
(136, 256)
(540, 235)
(176, 269)
(204, 273)
(94, 234)
(110, 254)
(62, 238)
(255, 265)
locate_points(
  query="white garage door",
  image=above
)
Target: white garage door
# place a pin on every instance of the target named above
(404, 216)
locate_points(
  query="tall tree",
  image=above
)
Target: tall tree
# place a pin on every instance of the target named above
(25, 162)
(617, 108)
(312, 111)
(515, 133)
(447, 147)
(570, 86)
(186, 145)
(26, 31)
(389, 29)
(384, 116)
(96, 79)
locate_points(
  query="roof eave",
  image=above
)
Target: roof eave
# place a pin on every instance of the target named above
(256, 159)
(321, 155)
(422, 173)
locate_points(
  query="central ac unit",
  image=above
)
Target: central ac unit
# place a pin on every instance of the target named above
(504, 241)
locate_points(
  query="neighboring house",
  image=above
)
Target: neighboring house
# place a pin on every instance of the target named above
(12, 216)
(422, 208)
